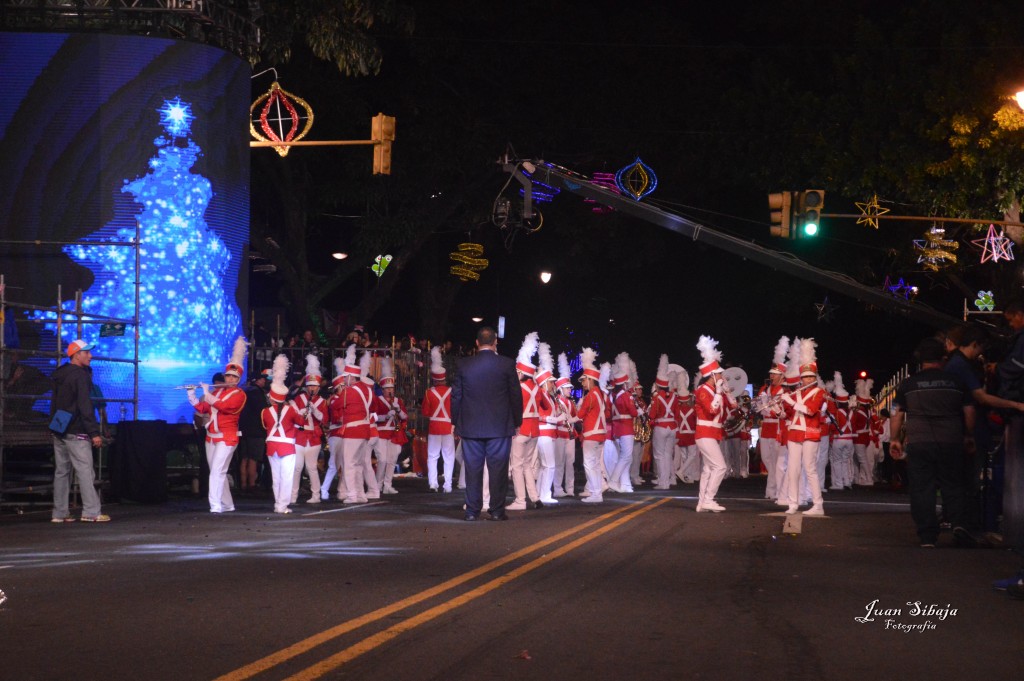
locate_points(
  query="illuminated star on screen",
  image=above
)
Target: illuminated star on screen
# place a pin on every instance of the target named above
(176, 117)
(995, 246)
(870, 212)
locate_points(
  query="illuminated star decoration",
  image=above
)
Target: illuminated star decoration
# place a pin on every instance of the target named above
(870, 212)
(636, 180)
(380, 263)
(995, 246)
(985, 301)
(900, 288)
(285, 122)
(935, 249)
(469, 263)
(825, 310)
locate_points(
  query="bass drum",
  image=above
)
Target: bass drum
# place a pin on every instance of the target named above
(736, 379)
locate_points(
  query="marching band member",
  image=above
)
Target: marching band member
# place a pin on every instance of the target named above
(829, 410)
(309, 438)
(592, 411)
(609, 452)
(335, 444)
(549, 417)
(686, 441)
(391, 421)
(803, 430)
(771, 445)
(565, 449)
(841, 450)
(861, 425)
(437, 405)
(223, 404)
(282, 421)
(639, 443)
(665, 420)
(350, 421)
(713, 402)
(624, 411)
(790, 383)
(523, 457)
(373, 439)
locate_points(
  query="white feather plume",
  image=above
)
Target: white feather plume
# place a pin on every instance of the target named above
(364, 366)
(840, 388)
(861, 388)
(780, 350)
(436, 365)
(682, 383)
(808, 355)
(387, 369)
(279, 373)
(563, 366)
(634, 377)
(529, 348)
(869, 385)
(350, 355)
(793, 358)
(622, 365)
(829, 386)
(312, 365)
(662, 374)
(238, 351)
(606, 372)
(544, 359)
(588, 358)
(708, 348)
(339, 366)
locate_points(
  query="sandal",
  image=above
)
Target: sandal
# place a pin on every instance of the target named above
(102, 518)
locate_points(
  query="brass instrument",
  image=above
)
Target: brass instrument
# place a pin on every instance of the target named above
(641, 423)
(735, 423)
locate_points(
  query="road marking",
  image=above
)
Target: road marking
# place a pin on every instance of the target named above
(794, 524)
(351, 507)
(308, 644)
(366, 645)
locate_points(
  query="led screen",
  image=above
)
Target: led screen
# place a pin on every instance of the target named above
(99, 134)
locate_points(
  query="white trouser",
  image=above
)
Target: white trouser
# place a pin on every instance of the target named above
(305, 457)
(558, 447)
(865, 466)
(609, 455)
(546, 458)
(369, 476)
(803, 458)
(352, 456)
(781, 477)
(822, 462)
(568, 473)
(282, 471)
(387, 458)
(218, 456)
(592, 452)
(841, 458)
(440, 446)
(663, 444)
(771, 450)
(335, 462)
(713, 470)
(691, 462)
(634, 465)
(523, 466)
(620, 471)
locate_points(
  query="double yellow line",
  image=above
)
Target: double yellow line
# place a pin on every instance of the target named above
(382, 637)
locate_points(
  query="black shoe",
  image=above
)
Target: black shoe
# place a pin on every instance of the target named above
(963, 538)
(538, 504)
(471, 516)
(497, 516)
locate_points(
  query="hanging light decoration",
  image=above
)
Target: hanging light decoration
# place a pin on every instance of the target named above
(469, 264)
(279, 117)
(636, 180)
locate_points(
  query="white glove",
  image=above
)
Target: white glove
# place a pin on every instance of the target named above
(192, 399)
(207, 394)
(402, 415)
(716, 402)
(718, 387)
(801, 409)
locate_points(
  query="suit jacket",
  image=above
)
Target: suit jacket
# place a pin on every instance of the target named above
(486, 399)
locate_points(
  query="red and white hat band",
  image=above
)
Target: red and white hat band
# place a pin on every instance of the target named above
(778, 369)
(438, 375)
(592, 374)
(544, 376)
(312, 380)
(710, 368)
(278, 393)
(233, 370)
(527, 369)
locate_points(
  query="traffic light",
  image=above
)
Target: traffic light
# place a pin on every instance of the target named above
(808, 213)
(382, 131)
(781, 206)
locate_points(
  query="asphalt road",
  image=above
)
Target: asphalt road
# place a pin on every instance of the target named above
(639, 587)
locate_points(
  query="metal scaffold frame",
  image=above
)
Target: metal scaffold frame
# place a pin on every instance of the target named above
(81, 318)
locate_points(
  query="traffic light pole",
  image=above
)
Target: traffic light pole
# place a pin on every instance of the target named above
(563, 178)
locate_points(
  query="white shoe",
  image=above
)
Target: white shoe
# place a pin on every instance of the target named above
(712, 506)
(315, 499)
(614, 487)
(661, 487)
(792, 509)
(516, 506)
(549, 500)
(447, 490)
(389, 490)
(584, 494)
(593, 499)
(558, 494)
(626, 490)
(818, 510)
(780, 502)
(604, 485)
(353, 500)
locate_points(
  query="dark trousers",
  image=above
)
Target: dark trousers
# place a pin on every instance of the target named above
(931, 467)
(494, 452)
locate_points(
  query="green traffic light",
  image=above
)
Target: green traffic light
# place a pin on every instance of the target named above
(810, 229)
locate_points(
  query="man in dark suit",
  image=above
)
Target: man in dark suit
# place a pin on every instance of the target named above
(487, 408)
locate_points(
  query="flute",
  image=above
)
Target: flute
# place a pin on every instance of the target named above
(197, 385)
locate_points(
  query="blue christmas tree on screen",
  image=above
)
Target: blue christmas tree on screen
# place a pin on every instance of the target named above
(187, 320)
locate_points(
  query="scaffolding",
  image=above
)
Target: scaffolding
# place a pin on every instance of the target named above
(16, 432)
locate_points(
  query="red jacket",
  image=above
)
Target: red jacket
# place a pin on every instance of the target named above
(860, 426)
(803, 423)
(569, 409)
(281, 423)
(594, 412)
(224, 411)
(350, 412)
(710, 416)
(664, 411)
(311, 433)
(437, 406)
(533, 400)
(686, 433)
(391, 426)
(623, 413)
(770, 423)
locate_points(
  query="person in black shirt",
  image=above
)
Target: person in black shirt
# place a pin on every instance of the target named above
(936, 407)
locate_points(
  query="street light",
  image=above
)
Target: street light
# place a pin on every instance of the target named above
(339, 255)
(545, 277)
(477, 319)
(1020, 99)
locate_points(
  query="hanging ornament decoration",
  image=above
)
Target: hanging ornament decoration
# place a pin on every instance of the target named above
(279, 117)
(607, 181)
(900, 288)
(469, 263)
(825, 310)
(935, 249)
(870, 211)
(380, 263)
(985, 302)
(636, 180)
(995, 246)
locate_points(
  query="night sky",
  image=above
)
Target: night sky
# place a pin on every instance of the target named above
(591, 87)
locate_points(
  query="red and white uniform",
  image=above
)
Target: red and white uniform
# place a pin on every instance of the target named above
(308, 441)
(623, 410)
(391, 421)
(223, 406)
(841, 449)
(803, 432)
(688, 469)
(437, 407)
(350, 422)
(523, 458)
(282, 422)
(549, 417)
(664, 417)
(593, 411)
(712, 408)
(861, 426)
(773, 453)
(565, 449)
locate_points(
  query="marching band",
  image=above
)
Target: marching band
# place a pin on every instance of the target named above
(806, 427)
